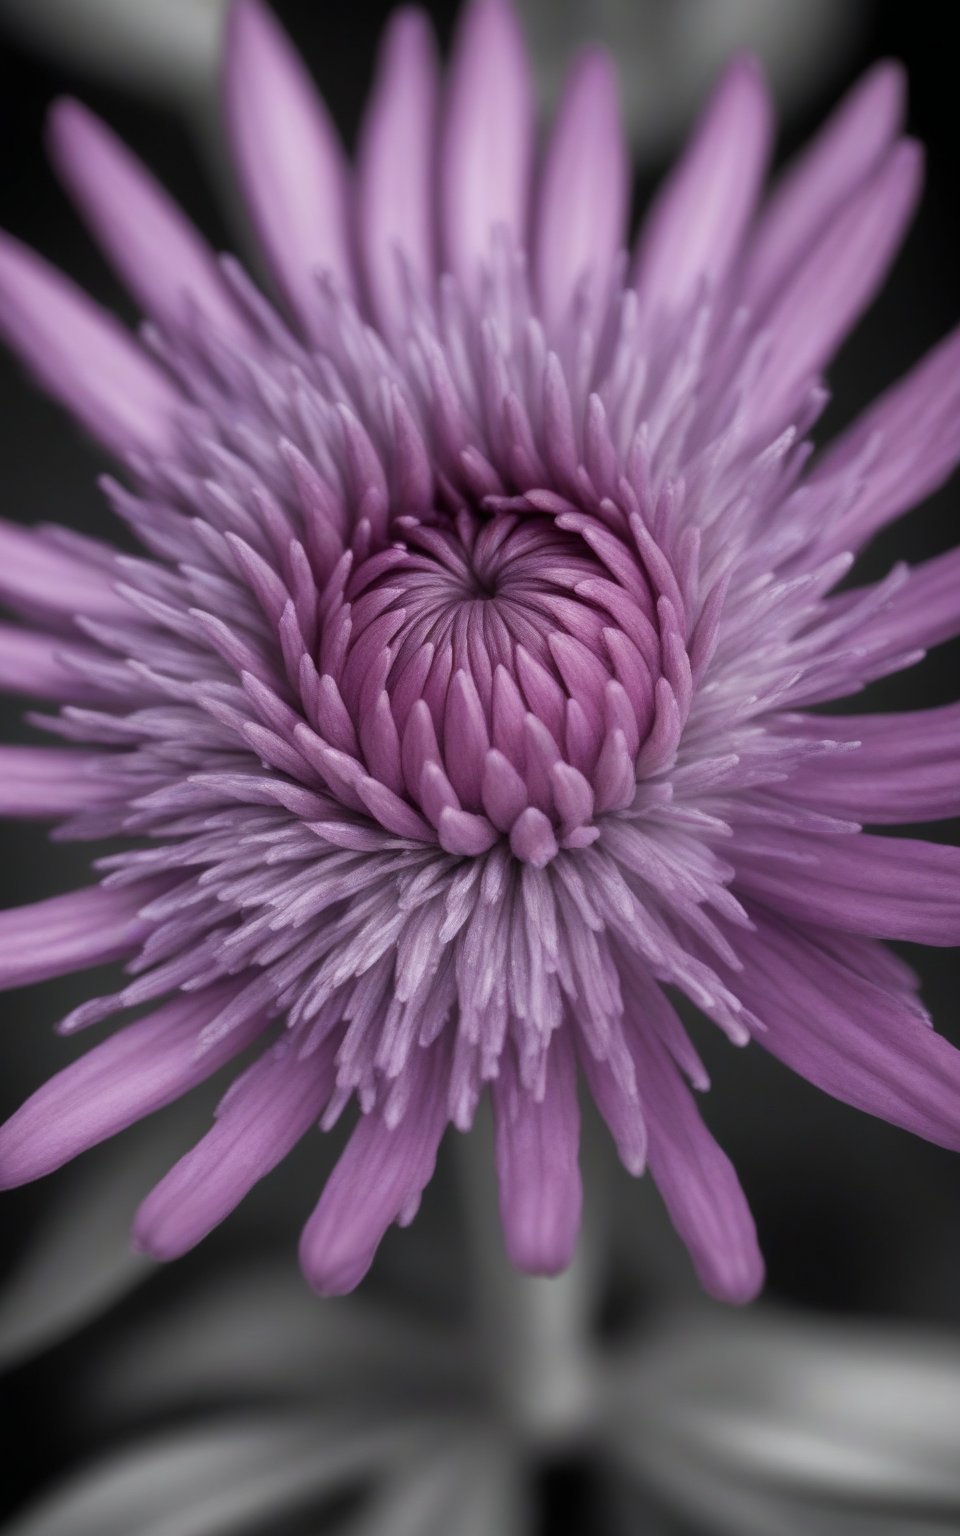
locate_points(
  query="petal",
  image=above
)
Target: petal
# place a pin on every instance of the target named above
(71, 932)
(82, 356)
(922, 612)
(34, 664)
(46, 581)
(907, 443)
(395, 168)
(695, 1178)
(882, 887)
(905, 768)
(814, 310)
(47, 782)
(288, 157)
(486, 138)
(851, 1037)
(580, 223)
(126, 1077)
(378, 1180)
(813, 190)
(261, 1120)
(696, 225)
(159, 255)
(537, 1147)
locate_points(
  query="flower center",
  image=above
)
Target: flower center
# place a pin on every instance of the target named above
(485, 664)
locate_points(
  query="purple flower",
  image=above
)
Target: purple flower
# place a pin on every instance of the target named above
(460, 700)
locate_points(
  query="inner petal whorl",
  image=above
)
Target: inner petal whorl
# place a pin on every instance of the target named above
(490, 665)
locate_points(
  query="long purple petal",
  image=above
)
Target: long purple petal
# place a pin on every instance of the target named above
(848, 1035)
(82, 356)
(396, 166)
(537, 1151)
(378, 1180)
(905, 768)
(695, 228)
(130, 1075)
(486, 138)
(261, 1120)
(47, 782)
(289, 159)
(882, 887)
(813, 190)
(695, 1178)
(161, 257)
(70, 933)
(908, 443)
(581, 209)
(815, 309)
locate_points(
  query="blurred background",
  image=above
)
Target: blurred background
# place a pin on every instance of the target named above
(449, 1396)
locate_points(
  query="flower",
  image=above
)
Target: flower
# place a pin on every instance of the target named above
(460, 700)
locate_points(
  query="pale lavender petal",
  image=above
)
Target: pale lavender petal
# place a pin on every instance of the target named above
(813, 190)
(696, 226)
(47, 782)
(486, 138)
(537, 1152)
(82, 356)
(695, 1178)
(130, 1075)
(396, 169)
(161, 257)
(581, 205)
(378, 1180)
(69, 933)
(850, 1036)
(264, 1115)
(289, 160)
(825, 296)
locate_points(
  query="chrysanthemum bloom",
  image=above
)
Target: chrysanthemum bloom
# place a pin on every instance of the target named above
(459, 703)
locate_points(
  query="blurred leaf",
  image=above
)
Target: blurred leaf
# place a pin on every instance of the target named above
(213, 1478)
(78, 1259)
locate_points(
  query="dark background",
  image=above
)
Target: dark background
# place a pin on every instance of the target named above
(855, 1217)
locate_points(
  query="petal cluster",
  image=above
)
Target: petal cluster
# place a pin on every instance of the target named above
(459, 700)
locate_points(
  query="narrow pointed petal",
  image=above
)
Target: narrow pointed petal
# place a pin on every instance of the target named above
(378, 1180)
(537, 1149)
(70, 933)
(130, 1075)
(486, 138)
(814, 310)
(813, 190)
(82, 356)
(881, 887)
(851, 1037)
(580, 226)
(46, 782)
(698, 221)
(911, 436)
(288, 157)
(396, 214)
(160, 256)
(695, 1178)
(261, 1120)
